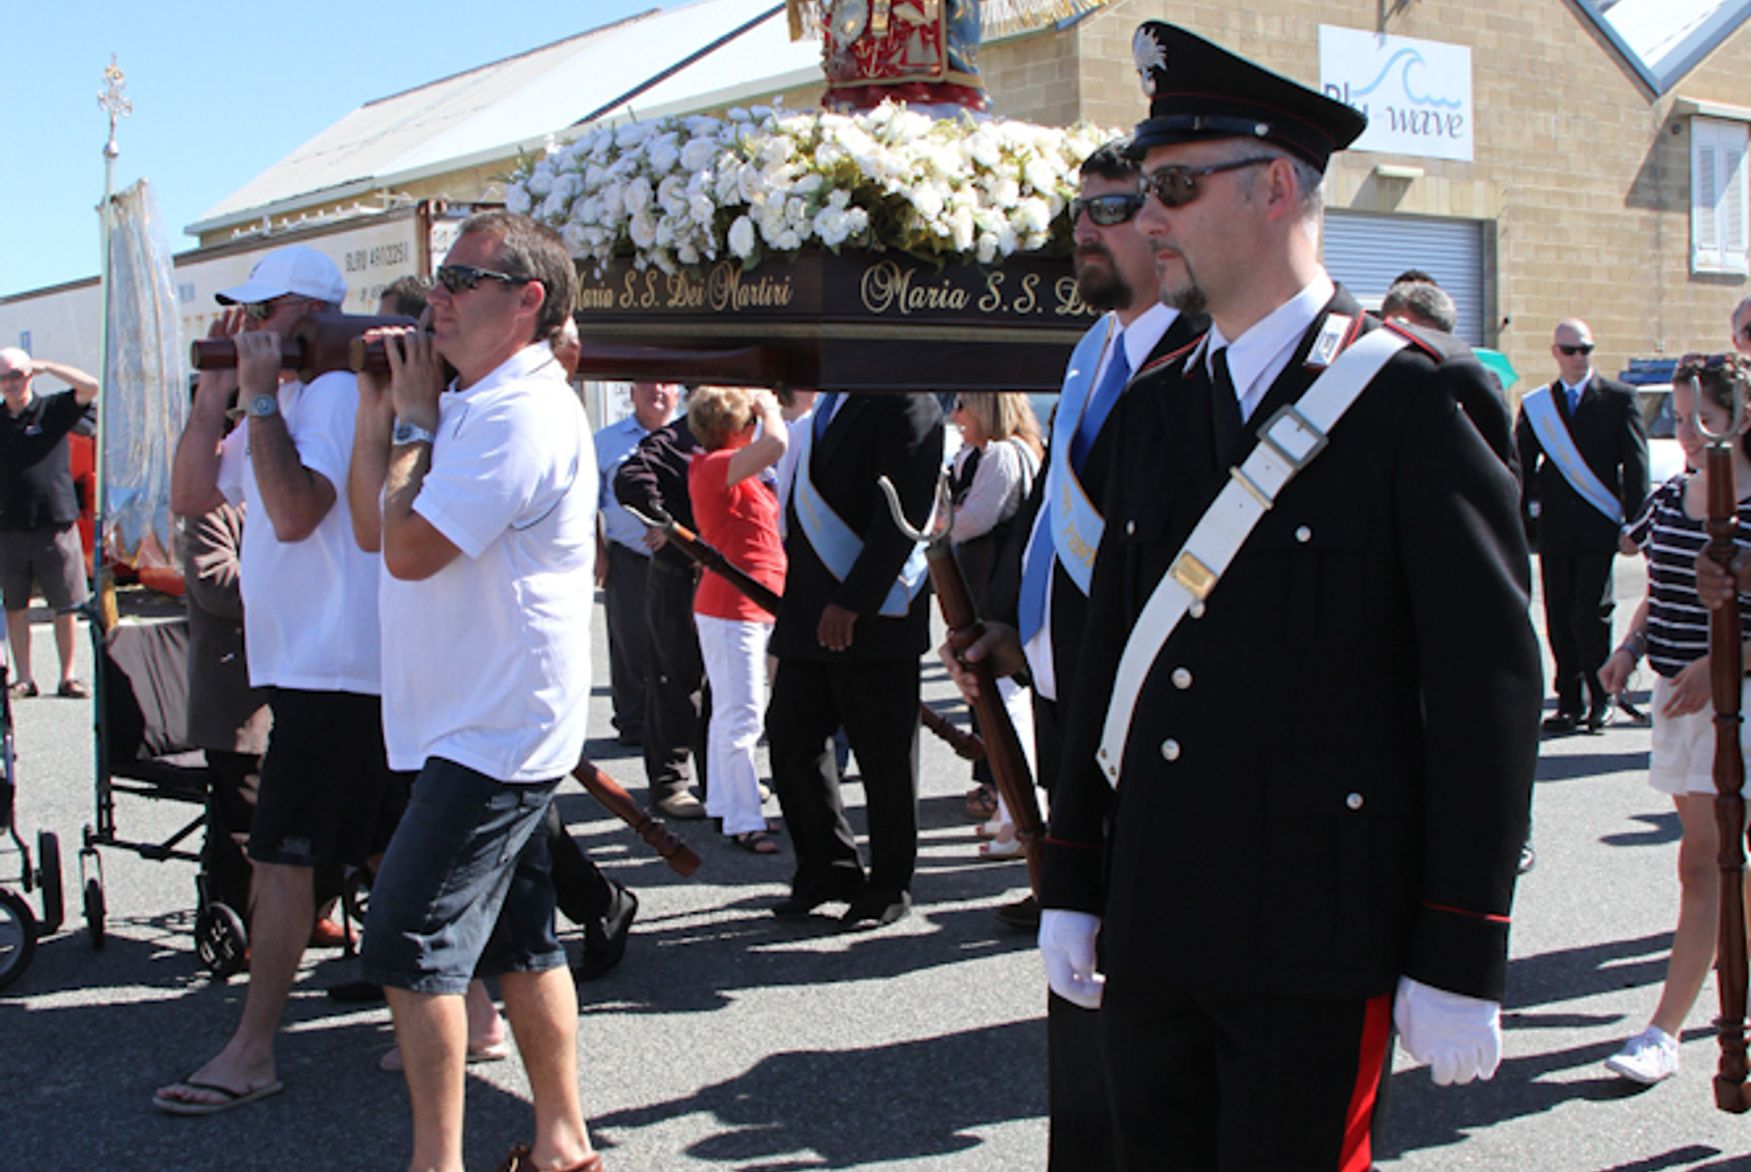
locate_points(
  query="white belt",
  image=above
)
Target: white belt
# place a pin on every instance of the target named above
(1287, 444)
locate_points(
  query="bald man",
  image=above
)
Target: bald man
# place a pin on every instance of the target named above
(1584, 461)
(1742, 327)
(38, 541)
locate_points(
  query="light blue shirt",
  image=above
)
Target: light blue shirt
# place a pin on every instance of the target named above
(614, 444)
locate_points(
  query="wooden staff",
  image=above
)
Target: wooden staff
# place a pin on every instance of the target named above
(965, 744)
(1009, 768)
(319, 343)
(1726, 679)
(680, 857)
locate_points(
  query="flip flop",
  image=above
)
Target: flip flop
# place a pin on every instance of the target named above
(232, 1098)
(492, 1052)
(756, 842)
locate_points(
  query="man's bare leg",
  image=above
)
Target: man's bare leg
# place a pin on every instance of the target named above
(66, 631)
(543, 1008)
(18, 635)
(284, 902)
(431, 1031)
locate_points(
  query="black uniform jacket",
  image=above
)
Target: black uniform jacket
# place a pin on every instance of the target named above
(1328, 774)
(870, 436)
(1612, 439)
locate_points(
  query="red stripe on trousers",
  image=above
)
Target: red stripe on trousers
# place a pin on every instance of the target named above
(1357, 1154)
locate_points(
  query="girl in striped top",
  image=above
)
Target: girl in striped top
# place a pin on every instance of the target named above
(1669, 530)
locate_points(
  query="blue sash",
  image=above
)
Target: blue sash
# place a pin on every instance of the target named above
(1077, 524)
(837, 545)
(1559, 448)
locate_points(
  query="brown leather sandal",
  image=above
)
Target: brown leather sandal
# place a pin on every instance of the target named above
(519, 1161)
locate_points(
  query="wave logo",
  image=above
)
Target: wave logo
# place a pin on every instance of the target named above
(1416, 94)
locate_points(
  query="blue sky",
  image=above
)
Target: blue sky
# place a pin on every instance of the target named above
(220, 92)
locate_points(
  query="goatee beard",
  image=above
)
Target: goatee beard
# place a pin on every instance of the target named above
(1186, 299)
(1102, 290)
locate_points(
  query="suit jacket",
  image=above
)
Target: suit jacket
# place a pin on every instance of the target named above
(899, 436)
(1613, 440)
(653, 480)
(1328, 774)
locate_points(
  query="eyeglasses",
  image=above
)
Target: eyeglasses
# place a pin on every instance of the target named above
(458, 278)
(1176, 187)
(262, 310)
(1571, 351)
(13, 376)
(1106, 210)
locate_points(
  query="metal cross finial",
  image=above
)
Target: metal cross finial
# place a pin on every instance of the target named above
(941, 515)
(112, 101)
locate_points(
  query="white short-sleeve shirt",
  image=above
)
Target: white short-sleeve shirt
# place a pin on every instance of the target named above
(311, 604)
(487, 662)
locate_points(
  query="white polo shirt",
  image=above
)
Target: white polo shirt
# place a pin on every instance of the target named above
(487, 662)
(312, 604)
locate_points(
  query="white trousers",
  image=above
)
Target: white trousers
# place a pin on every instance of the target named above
(735, 663)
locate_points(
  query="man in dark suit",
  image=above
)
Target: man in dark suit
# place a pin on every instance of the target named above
(1042, 611)
(1313, 740)
(854, 621)
(1584, 461)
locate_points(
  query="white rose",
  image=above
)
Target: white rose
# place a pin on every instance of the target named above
(698, 154)
(702, 209)
(832, 227)
(927, 198)
(662, 153)
(637, 194)
(1033, 216)
(672, 194)
(517, 199)
(963, 229)
(986, 252)
(588, 211)
(554, 208)
(741, 238)
(631, 134)
(576, 242)
(540, 181)
(642, 228)
(688, 253)
(1041, 175)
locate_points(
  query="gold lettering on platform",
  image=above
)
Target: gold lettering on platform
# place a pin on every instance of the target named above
(685, 292)
(729, 288)
(993, 299)
(595, 297)
(1070, 302)
(886, 286)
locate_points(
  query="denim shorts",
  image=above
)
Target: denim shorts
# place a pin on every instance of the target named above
(466, 887)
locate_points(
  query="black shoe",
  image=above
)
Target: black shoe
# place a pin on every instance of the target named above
(874, 909)
(605, 936)
(356, 992)
(1528, 858)
(1562, 722)
(804, 899)
(1598, 718)
(1024, 913)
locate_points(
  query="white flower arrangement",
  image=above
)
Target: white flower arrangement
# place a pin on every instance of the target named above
(685, 190)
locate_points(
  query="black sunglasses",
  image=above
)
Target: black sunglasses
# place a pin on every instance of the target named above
(457, 278)
(1176, 187)
(1571, 351)
(1106, 210)
(262, 310)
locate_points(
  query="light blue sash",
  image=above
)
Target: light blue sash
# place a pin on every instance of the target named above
(837, 545)
(1559, 448)
(1077, 524)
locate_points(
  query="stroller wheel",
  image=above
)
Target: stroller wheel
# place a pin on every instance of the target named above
(48, 858)
(221, 940)
(94, 913)
(18, 933)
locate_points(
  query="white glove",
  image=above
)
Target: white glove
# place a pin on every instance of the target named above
(1459, 1037)
(1067, 946)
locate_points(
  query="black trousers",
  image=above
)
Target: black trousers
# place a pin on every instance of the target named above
(629, 638)
(877, 704)
(580, 889)
(1239, 1083)
(678, 705)
(1577, 616)
(1081, 1121)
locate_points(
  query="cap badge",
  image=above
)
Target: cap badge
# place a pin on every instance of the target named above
(1150, 56)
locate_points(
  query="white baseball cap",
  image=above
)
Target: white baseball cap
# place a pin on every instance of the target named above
(296, 268)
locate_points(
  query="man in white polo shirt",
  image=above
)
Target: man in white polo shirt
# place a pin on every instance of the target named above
(311, 599)
(488, 538)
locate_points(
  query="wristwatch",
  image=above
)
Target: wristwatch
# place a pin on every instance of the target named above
(410, 433)
(264, 405)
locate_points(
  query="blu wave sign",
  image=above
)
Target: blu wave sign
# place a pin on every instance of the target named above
(1417, 94)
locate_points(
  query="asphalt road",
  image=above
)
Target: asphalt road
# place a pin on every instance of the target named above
(729, 1040)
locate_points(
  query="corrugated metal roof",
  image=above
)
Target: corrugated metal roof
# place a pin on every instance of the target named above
(490, 111)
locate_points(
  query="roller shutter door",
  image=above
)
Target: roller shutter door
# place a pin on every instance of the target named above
(1365, 252)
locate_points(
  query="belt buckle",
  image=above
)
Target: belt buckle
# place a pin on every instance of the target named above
(1189, 571)
(1288, 411)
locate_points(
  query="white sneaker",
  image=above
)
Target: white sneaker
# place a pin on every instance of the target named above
(1649, 1057)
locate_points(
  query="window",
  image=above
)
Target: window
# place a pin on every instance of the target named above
(1719, 199)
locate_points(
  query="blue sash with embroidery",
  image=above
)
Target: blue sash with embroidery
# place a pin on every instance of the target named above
(837, 545)
(1077, 524)
(1559, 448)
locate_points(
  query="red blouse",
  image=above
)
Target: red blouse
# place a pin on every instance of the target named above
(741, 522)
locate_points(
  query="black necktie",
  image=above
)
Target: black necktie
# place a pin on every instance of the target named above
(1224, 404)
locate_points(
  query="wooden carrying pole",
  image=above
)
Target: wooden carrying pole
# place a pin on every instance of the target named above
(613, 796)
(1725, 678)
(1009, 767)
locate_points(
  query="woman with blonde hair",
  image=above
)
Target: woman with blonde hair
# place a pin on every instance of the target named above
(992, 476)
(743, 435)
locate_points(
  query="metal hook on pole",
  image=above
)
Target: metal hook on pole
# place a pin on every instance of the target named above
(942, 513)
